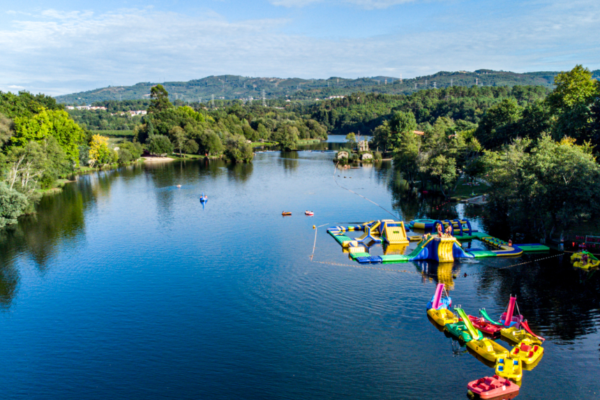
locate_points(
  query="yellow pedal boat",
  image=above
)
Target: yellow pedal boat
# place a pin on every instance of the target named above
(509, 368)
(442, 316)
(585, 260)
(517, 335)
(527, 351)
(488, 349)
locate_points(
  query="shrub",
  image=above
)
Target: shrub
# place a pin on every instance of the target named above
(160, 144)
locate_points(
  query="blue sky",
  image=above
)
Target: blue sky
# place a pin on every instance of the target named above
(66, 46)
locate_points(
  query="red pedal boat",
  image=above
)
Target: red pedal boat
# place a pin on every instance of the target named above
(309, 213)
(485, 327)
(494, 387)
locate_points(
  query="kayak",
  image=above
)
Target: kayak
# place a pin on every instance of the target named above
(442, 316)
(488, 349)
(286, 213)
(509, 368)
(492, 387)
(309, 213)
(486, 327)
(527, 351)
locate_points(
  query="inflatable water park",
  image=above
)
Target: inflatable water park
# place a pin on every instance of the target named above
(443, 246)
(478, 333)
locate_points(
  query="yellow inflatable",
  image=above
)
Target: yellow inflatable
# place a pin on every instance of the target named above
(488, 349)
(442, 316)
(516, 335)
(527, 351)
(585, 260)
(509, 368)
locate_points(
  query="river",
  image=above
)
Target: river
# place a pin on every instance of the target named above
(124, 286)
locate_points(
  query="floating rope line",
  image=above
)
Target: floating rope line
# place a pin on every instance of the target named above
(532, 261)
(351, 191)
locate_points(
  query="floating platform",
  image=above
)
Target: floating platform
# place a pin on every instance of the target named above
(393, 235)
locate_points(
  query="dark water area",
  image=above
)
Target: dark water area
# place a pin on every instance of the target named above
(123, 286)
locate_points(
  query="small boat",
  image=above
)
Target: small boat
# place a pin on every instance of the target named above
(585, 260)
(203, 198)
(459, 330)
(492, 387)
(286, 213)
(527, 352)
(509, 368)
(309, 213)
(488, 349)
(485, 326)
(442, 316)
(178, 186)
(516, 335)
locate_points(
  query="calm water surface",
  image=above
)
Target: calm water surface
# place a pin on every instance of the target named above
(124, 286)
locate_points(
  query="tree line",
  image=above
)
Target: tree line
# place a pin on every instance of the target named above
(537, 153)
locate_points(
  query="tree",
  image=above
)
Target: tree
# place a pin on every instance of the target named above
(573, 88)
(6, 130)
(401, 122)
(191, 147)
(498, 125)
(351, 138)
(100, 154)
(178, 137)
(160, 99)
(160, 144)
(238, 150)
(12, 205)
(571, 101)
(55, 123)
(543, 188)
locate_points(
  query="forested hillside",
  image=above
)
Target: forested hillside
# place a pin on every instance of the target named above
(240, 87)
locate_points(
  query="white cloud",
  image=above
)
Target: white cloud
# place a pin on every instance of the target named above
(59, 52)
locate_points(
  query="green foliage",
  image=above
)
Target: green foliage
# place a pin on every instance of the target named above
(25, 104)
(49, 123)
(351, 138)
(129, 152)
(6, 130)
(544, 187)
(499, 124)
(191, 147)
(237, 149)
(100, 154)
(105, 121)
(12, 205)
(287, 136)
(160, 144)
(160, 99)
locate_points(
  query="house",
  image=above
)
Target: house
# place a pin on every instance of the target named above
(363, 146)
(367, 156)
(342, 154)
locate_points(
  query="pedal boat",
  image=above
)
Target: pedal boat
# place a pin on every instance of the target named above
(485, 326)
(509, 368)
(443, 316)
(309, 213)
(493, 387)
(488, 349)
(445, 302)
(286, 213)
(459, 331)
(592, 261)
(527, 352)
(515, 335)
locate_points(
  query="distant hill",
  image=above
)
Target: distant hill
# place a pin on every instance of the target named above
(240, 87)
